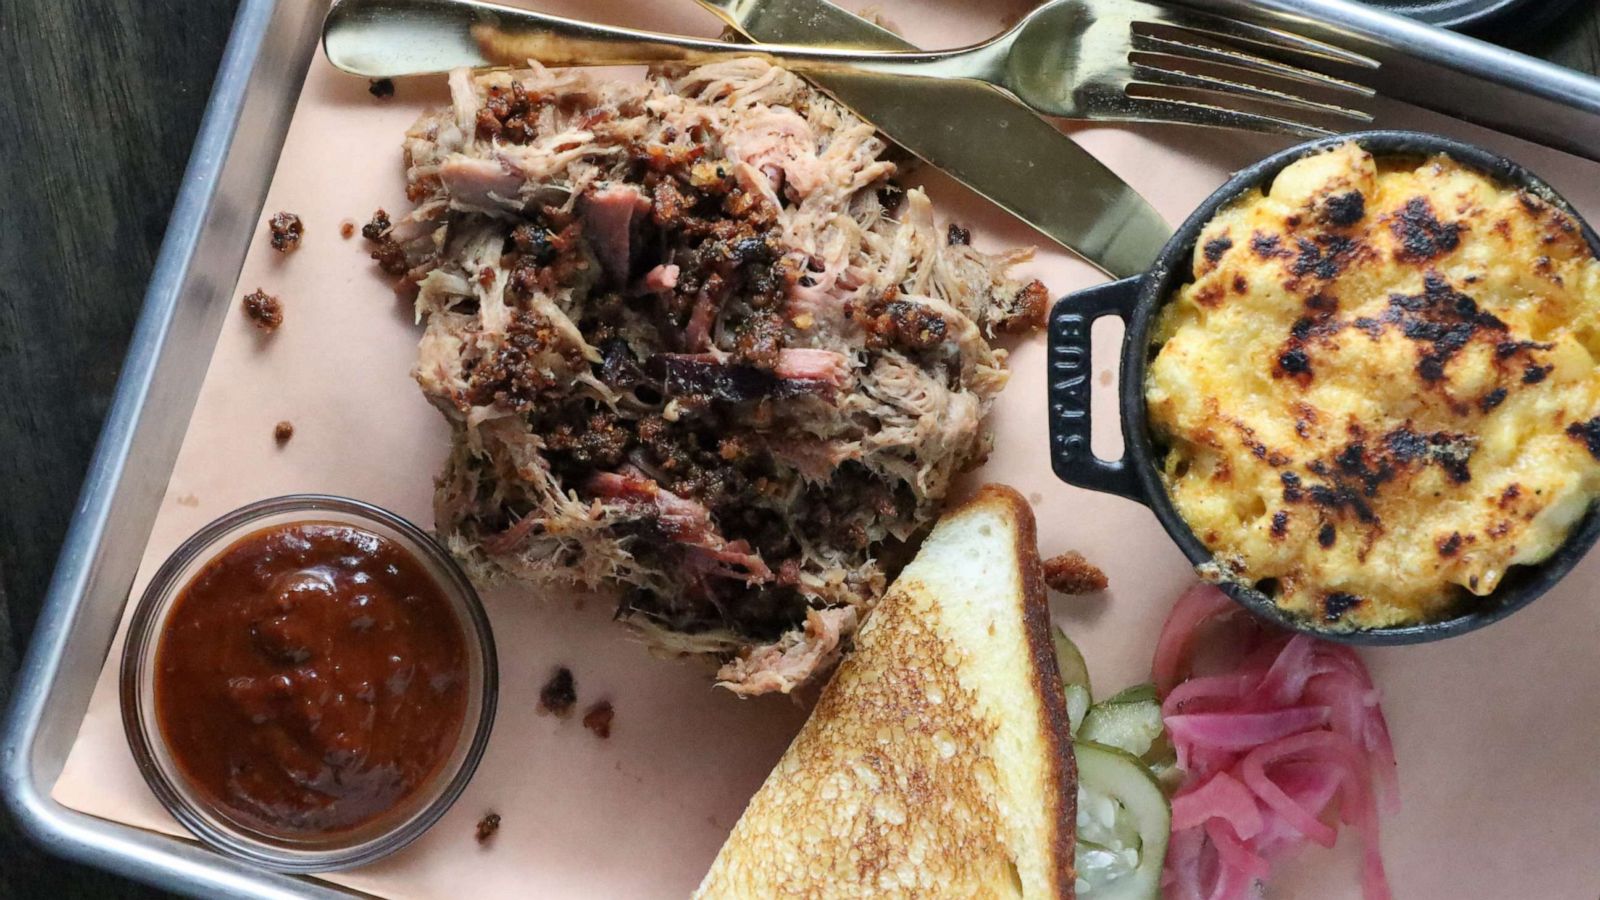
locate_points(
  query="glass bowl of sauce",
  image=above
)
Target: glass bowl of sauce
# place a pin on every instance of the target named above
(308, 683)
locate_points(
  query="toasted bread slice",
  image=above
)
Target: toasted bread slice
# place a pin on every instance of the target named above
(938, 761)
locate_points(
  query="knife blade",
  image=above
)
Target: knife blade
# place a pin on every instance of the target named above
(988, 142)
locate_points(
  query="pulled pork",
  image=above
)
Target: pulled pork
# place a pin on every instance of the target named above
(692, 343)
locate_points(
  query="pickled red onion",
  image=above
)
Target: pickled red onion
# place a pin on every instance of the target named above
(1197, 604)
(1205, 693)
(1234, 853)
(1244, 730)
(1220, 797)
(1272, 737)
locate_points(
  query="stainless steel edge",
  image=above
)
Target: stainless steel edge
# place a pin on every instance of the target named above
(1441, 70)
(213, 220)
(229, 170)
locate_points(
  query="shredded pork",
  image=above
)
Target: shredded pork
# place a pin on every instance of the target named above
(694, 344)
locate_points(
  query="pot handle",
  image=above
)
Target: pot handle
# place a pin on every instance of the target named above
(1070, 363)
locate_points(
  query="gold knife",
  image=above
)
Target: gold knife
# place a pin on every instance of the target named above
(985, 140)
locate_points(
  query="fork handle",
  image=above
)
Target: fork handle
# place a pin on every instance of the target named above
(385, 38)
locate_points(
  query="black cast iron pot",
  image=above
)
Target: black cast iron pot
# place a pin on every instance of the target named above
(1136, 475)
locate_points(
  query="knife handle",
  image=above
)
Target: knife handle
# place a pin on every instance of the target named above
(481, 32)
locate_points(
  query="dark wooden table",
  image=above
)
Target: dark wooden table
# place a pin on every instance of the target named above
(99, 100)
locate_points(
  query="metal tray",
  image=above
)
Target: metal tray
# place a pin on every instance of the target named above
(231, 167)
(1512, 17)
(1496, 88)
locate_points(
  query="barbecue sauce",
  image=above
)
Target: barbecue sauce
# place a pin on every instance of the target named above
(310, 678)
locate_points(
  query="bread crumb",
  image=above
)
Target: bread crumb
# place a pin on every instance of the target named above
(382, 88)
(347, 229)
(286, 231)
(263, 310)
(282, 432)
(1070, 573)
(598, 719)
(558, 695)
(487, 826)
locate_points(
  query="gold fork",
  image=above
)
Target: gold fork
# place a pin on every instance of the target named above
(1126, 60)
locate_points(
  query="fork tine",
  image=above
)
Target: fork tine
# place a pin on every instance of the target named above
(1145, 69)
(1251, 33)
(1148, 106)
(1236, 59)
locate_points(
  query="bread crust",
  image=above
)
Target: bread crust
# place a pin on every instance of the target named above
(896, 786)
(1047, 677)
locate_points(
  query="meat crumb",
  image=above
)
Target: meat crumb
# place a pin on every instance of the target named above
(286, 231)
(598, 719)
(282, 432)
(558, 695)
(347, 229)
(263, 310)
(391, 257)
(487, 826)
(1070, 573)
(1027, 310)
(382, 88)
(378, 227)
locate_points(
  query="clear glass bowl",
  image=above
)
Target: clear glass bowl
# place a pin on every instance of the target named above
(304, 852)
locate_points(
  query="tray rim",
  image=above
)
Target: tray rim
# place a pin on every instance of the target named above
(1471, 16)
(115, 471)
(146, 856)
(1548, 103)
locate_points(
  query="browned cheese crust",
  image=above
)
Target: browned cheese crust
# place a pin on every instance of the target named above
(1376, 393)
